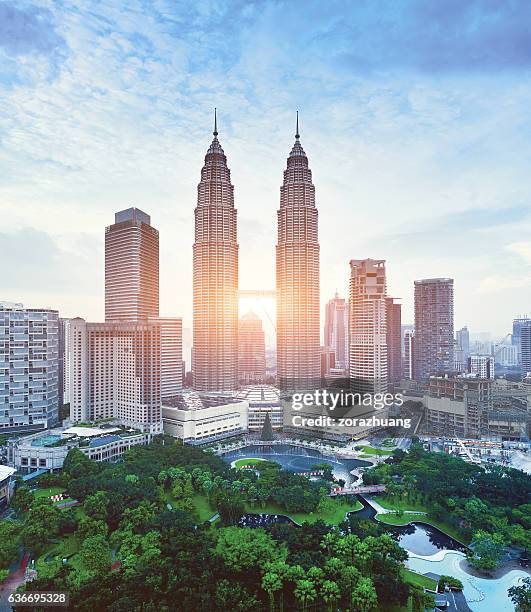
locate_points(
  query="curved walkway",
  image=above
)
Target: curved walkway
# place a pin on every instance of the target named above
(381, 510)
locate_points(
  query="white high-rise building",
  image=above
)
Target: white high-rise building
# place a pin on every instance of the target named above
(29, 368)
(114, 373)
(481, 366)
(367, 325)
(171, 355)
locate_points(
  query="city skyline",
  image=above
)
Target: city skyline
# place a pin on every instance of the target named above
(405, 142)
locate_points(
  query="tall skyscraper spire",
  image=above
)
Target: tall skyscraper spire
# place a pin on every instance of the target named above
(297, 263)
(215, 132)
(215, 344)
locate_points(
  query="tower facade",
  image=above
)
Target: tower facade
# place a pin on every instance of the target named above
(131, 267)
(171, 355)
(115, 373)
(368, 331)
(251, 350)
(434, 326)
(297, 276)
(215, 273)
(393, 324)
(336, 330)
(29, 368)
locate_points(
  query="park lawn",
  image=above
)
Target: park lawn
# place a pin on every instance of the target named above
(424, 581)
(252, 461)
(47, 492)
(405, 519)
(333, 515)
(396, 503)
(202, 505)
(370, 450)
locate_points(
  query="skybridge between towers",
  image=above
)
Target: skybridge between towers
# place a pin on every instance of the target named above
(257, 293)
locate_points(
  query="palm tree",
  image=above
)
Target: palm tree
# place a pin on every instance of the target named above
(305, 592)
(271, 583)
(330, 593)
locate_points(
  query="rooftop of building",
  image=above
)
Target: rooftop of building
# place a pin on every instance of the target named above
(6, 472)
(191, 400)
(90, 431)
(259, 394)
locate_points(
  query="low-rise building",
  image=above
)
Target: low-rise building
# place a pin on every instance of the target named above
(468, 407)
(262, 400)
(48, 450)
(199, 419)
(6, 484)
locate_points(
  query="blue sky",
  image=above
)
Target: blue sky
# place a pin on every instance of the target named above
(415, 117)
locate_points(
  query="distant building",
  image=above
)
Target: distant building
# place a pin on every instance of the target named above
(409, 354)
(115, 373)
(506, 355)
(518, 324)
(468, 408)
(393, 326)
(62, 386)
(131, 267)
(367, 326)
(481, 366)
(251, 350)
(336, 330)
(461, 349)
(328, 362)
(199, 419)
(262, 400)
(525, 347)
(29, 368)
(434, 326)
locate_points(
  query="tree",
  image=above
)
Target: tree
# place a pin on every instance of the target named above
(245, 549)
(95, 554)
(230, 507)
(22, 499)
(77, 464)
(267, 429)
(271, 583)
(521, 595)
(233, 596)
(89, 527)
(9, 542)
(364, 596)
(330, 593)
(96, 506)
(420, 600)
(305, 592)
(487, 550)
(42, 523)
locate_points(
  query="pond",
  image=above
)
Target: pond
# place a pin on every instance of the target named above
(418, 538)
(297, 458)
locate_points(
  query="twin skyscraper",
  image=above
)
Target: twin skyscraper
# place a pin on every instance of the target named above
(215, 276)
